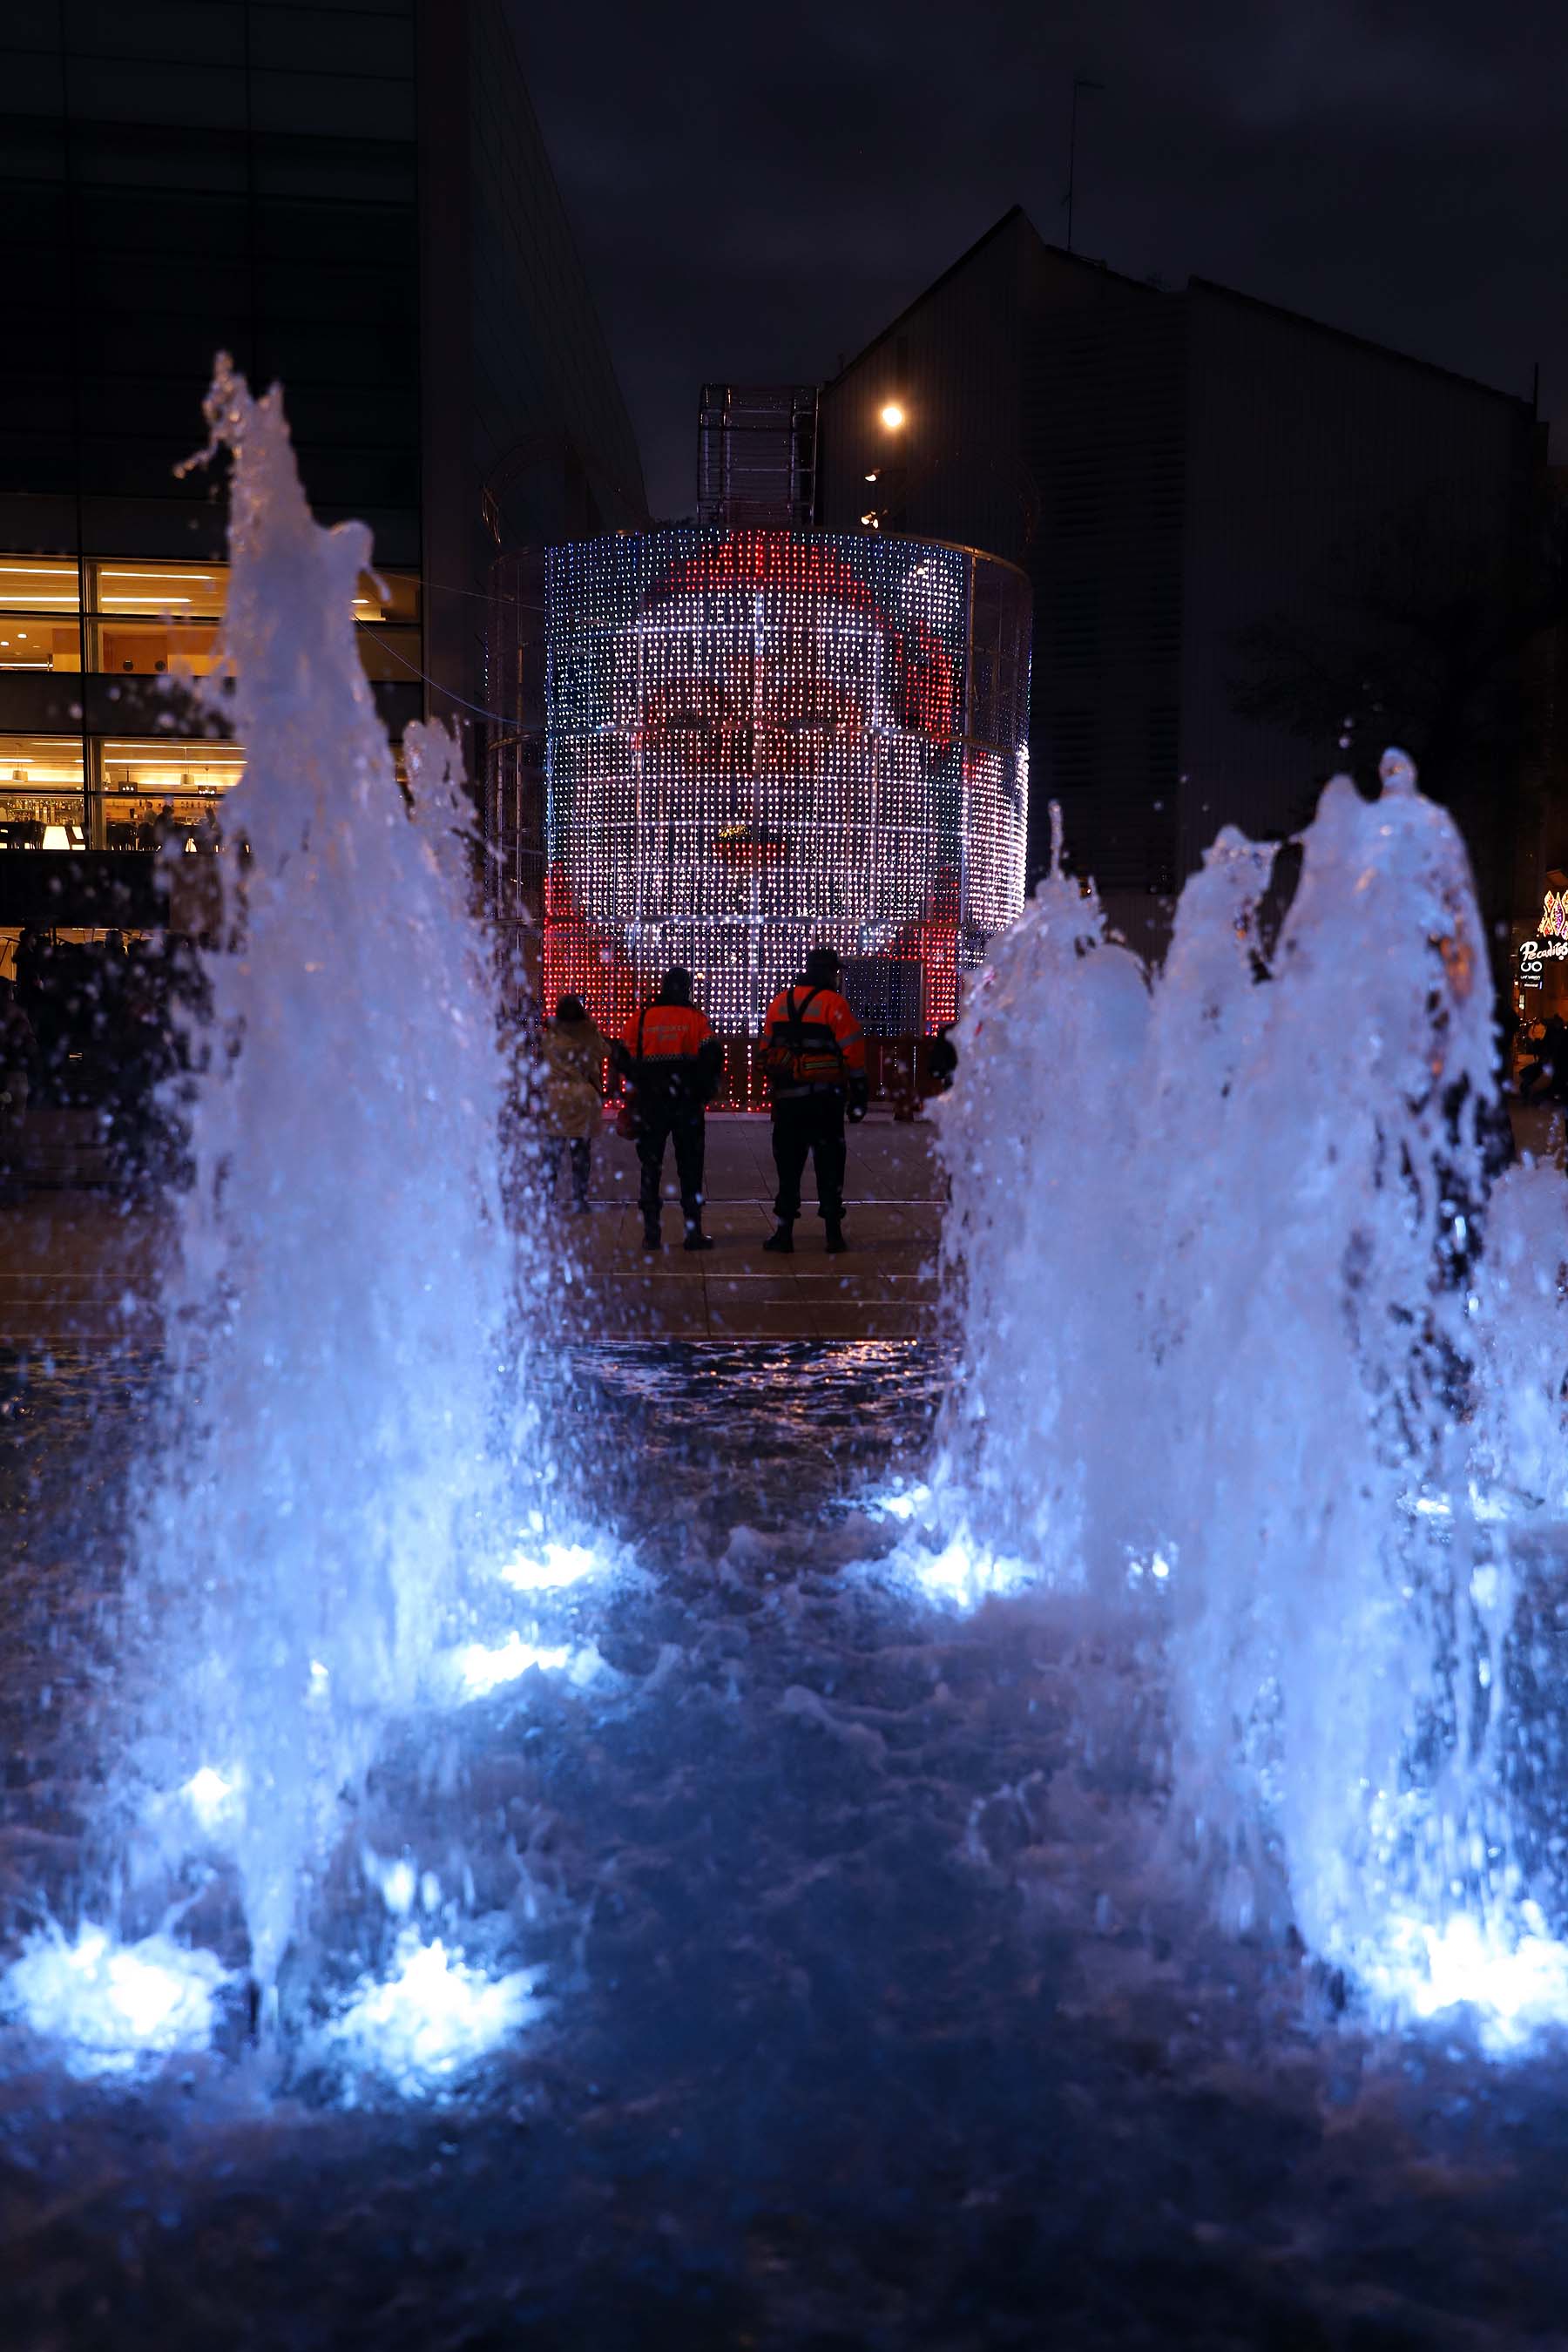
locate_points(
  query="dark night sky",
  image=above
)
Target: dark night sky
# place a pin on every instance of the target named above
(757, 190)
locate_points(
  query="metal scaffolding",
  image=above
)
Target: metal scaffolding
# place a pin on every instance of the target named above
(756, 456)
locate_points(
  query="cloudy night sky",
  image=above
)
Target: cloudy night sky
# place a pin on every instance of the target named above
(755, 194)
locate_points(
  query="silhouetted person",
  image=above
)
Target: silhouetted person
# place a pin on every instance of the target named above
(574, 1054)
(944, 1064)
(1548, 1073)
(670, 1060)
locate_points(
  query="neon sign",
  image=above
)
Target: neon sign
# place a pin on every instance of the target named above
(1550, 944)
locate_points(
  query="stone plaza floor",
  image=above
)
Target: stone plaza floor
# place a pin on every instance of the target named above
(80, 1266)
(883, 1287)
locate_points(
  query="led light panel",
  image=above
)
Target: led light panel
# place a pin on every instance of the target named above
(760, 741)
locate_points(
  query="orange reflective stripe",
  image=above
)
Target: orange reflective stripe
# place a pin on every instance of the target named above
(669, 1032)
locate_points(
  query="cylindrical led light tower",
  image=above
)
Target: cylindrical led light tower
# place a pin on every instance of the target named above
(759, 741)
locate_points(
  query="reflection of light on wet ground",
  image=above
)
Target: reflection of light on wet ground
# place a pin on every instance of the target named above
(904, 1503)
(948, 1567)
(209, 1794)
(965, 1573)
(1515, 1990)
(432, 2019)
(552, 1569)
(112, 2005)
(484, 1668)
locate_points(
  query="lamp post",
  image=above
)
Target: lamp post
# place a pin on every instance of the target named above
(888, 477)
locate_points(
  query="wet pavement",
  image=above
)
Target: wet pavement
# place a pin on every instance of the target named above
(878, 2013)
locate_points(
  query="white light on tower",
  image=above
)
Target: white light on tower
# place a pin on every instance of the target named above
(759, 741)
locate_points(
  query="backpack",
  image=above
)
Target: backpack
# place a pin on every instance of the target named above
(783, 1060)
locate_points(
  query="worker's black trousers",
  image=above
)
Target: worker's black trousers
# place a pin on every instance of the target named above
(684, 1130)
(810, 1127)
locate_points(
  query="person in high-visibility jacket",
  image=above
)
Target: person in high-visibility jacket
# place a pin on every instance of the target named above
(670, 1060)
(814, 1057)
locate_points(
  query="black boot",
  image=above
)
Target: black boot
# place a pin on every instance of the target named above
(782, 1239)
(835, 1242)
(651, 1236)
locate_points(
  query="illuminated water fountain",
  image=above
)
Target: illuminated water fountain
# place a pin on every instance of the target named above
(350, 1451)
(1251, 1358)
(1247, 1341)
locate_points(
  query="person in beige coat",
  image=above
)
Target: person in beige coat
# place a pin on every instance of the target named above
(575, 1055)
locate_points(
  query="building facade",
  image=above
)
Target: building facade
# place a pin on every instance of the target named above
(762, 740)
(351, 200)
(1246, 534)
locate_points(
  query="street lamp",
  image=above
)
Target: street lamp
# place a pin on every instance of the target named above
(893, 417)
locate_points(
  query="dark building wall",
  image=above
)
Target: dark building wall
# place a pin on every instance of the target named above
(1045, 424)
(527, 438)
(1326, 479)
(183, 179)
(1103, 442)
(1173, 468)
(551, 434)
(954, 360)
(354, 199)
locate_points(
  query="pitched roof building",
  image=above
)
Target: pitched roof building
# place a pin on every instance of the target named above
(1248, 535)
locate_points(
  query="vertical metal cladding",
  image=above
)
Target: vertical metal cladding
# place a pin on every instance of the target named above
(762, 740)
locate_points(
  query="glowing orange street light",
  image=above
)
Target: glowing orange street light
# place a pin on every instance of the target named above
(891, 415)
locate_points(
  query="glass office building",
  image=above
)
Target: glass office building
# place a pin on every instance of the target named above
(351, 199)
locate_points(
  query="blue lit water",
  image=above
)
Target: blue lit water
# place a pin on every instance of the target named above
(877, 2015)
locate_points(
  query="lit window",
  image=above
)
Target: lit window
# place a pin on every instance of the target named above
(184, 591)
(387, 596)
(35, 641)
(165, 770)
(41, 791)
(386, 608)
(29, 584)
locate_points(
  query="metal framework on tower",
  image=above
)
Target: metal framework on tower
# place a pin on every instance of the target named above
(756, 456)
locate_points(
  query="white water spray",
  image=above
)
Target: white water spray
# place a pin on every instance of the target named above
(1223, 1308)
(338, 1316)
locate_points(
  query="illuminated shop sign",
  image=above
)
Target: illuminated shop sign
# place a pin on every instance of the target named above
(762, 740)
(1550, 942)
